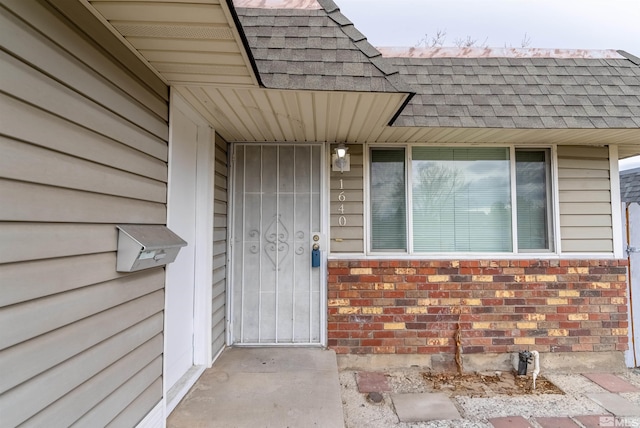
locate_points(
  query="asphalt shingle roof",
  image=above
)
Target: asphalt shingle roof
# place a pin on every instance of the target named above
(521, 92)
(315, 50)
(630, 185)
(320, 49)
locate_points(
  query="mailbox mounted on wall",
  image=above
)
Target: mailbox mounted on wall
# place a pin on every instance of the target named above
(146, 246)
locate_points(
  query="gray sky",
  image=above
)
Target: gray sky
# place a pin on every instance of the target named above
(566, 24)
(569, 24)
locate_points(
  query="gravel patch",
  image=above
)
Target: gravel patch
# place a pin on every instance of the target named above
(528, 406)
(361, 413)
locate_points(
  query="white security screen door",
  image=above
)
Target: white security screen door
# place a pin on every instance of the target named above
(276, 211)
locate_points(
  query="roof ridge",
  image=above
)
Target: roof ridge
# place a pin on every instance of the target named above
(486, 52)
(634, 59)
(360, 41)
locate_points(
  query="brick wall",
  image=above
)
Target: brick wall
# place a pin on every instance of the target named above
(414, 306)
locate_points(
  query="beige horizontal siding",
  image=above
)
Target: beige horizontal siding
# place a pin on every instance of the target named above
(38, 393)
(350, 237)
(84, 148)
(30, 280)
(66, 308)
(85, 396)
(33, 241)
(37, 50)
(63, 136)
(27, 163)
(46, 20)
(24, 361)
(585, 199)
(33, 202)
(143, 387)
(218, 307)
(22, 82)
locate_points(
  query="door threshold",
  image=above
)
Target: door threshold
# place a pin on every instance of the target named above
(182, 387)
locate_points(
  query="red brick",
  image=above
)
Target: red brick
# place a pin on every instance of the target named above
(393, 294)
(556, 422)
(347, 331)
(384, 333)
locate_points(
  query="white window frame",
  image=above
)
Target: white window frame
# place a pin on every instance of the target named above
(552, 194)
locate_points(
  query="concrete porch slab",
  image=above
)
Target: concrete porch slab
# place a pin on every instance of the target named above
(617, 405)
(265, 387)
(425, 406)
(611, 382)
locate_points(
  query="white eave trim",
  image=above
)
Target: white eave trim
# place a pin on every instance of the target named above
(616, 203)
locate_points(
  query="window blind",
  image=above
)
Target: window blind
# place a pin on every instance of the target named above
(388, 200)
(461, 199)
(531, 191)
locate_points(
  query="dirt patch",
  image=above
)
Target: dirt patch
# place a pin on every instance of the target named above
(488, 385)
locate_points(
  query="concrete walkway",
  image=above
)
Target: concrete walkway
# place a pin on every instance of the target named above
(265, 387)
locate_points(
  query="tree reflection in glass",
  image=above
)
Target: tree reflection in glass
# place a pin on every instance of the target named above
(461, 199)
(388, 200)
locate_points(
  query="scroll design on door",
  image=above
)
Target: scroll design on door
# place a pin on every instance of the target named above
(277, 247)
(300, 242)
(254, 246)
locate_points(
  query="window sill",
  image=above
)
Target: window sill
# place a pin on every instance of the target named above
(471, 256)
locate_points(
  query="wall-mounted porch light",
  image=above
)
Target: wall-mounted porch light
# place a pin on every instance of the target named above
(341, 160)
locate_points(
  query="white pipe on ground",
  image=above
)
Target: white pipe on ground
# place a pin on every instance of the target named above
(536, 366)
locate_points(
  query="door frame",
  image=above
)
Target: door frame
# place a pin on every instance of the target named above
(324, 244)
(631, 216)
(203, 248)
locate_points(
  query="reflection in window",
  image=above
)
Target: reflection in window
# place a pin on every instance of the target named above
(388, 204)
(461, 199)
(531, 191)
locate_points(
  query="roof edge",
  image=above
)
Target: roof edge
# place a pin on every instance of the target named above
(245, 42)
(454, 52)
(631, 171)
(278, 4)
(634, 59)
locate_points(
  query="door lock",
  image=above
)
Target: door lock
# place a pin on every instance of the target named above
(315, 255)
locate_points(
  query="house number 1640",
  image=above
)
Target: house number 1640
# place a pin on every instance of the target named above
(342, 220)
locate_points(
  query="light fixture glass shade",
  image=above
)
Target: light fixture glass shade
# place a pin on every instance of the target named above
(341, 151)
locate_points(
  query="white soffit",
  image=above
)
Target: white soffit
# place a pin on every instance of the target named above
(626, 151)
(270, 115)
(185, 41)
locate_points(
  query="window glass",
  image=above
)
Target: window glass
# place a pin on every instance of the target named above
(388, 200)
(461, 199)
(532, 199)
